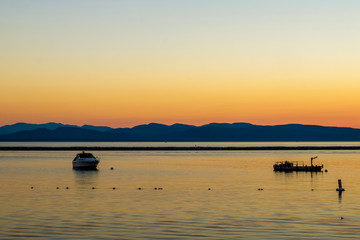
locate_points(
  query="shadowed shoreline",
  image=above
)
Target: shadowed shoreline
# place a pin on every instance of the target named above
(260, 148)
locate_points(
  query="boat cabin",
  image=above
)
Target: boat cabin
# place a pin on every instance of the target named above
(85, 155)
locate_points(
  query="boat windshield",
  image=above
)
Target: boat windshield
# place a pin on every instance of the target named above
(86, 155)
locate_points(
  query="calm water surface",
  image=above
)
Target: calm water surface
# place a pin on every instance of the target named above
(291, 206)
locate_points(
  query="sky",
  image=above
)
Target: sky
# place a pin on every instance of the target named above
(124, 63)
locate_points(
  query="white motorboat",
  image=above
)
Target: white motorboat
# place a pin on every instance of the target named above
(85, 161)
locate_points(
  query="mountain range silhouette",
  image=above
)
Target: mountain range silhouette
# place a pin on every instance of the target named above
(177, 132)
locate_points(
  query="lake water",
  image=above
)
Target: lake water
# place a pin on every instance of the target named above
(290, 206)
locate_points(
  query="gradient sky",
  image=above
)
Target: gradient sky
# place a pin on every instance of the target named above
(123, 63)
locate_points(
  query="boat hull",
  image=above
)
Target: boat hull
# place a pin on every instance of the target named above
(297, 169)
(80, 164)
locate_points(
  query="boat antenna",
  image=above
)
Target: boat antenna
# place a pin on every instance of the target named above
(312, 160)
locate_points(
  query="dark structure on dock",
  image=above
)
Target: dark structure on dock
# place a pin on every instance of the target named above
(297, 166)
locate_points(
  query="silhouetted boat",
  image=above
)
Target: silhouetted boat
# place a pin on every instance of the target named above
(297, 166)
(85, 161)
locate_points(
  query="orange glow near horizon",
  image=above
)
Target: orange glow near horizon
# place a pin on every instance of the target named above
(221, 63)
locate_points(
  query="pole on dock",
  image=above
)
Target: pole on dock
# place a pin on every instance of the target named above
(312, 160)
(340, 188)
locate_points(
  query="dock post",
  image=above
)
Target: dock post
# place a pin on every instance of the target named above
(340, 188)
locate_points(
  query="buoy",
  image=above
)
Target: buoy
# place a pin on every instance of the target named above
(155, 188)
(112, 168)
(209, 188)
(57, 187)
(160, 188)
(340, 188)
(113, 188)
(32, 187)
(326, 170)
(139, 188)
(67, 187)
(93, 187)
(312, 189)
(341, 218)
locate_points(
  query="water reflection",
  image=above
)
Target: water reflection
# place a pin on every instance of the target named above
(297, 174)
(340, 196)
(86, 178)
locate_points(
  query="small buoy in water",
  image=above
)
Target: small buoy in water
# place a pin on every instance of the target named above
(160, 188)
(340, 188)
(113, 188)
(341, 218)
(326, 170)
(312, 189)
(67, 187)
(57, 187)
(93, 187)
(139, 188)
(32, 187)
(209, 188)
(155, 188)
(112, 168)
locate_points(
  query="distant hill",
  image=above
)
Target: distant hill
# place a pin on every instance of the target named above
(71, 134)
(97, 128)
(17, 127)
(177, 132)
